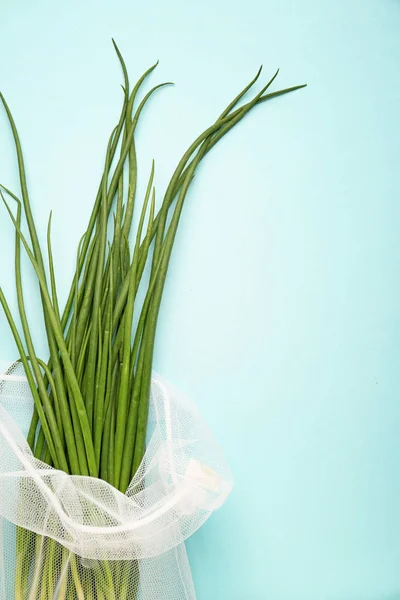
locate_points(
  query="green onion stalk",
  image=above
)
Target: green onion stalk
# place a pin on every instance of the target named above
(91, 396)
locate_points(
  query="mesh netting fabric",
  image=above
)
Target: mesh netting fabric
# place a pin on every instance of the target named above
(82, 537)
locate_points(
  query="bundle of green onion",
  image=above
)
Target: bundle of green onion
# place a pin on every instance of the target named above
(91, 397)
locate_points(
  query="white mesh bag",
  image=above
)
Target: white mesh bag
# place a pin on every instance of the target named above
(78, 538)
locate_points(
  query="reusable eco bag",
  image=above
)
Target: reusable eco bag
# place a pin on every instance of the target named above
(79, 538)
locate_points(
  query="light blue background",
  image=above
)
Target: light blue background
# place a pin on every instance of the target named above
(282, 310)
